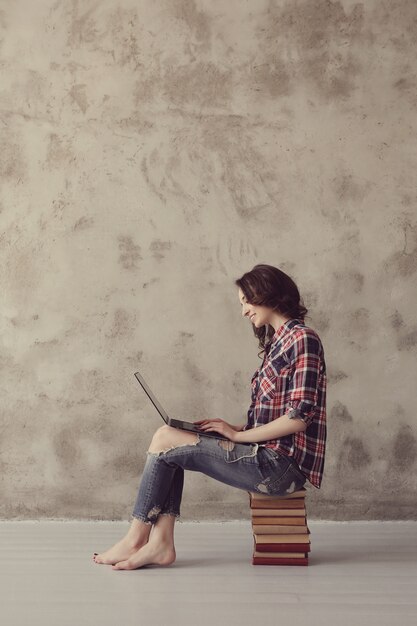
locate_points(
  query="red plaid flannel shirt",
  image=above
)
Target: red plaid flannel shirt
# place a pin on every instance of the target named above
(292, 381)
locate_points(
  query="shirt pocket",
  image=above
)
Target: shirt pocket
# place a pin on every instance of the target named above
(267, 384)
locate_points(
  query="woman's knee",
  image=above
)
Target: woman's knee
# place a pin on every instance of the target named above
(160, 435)
(167, 437)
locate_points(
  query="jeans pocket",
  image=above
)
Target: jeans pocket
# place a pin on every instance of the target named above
(239, 451)
(280, 476)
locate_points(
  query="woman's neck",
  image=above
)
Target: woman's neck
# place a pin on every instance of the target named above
(277, 320)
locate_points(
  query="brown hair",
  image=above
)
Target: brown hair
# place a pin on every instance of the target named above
(268, 286)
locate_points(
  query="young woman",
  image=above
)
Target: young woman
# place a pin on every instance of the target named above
(281, 445)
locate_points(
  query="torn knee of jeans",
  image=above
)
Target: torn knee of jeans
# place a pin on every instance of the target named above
(154, 512)
(226, 444)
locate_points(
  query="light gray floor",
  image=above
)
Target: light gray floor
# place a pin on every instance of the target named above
(359, 573)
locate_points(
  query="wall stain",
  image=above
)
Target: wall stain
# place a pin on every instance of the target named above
(321, 321)
(341, 217)
(79, 96)
(238, 384)
(195, 373)
(396, 320)
(270, 77)
(334, 376)
(83, 223)
(135, 358)
(319, 35)
(252, 181)
(130, 253)
(404, 262)
(149, 164)
(198, 83)
(347, 188)
(121, 325)
(158, 248)
(150, 282)
(115, 34)
(407, 88)
(145, 91)
(197, 22)
(185, 337)
(351, 280)
(358, 281)
(59, 152)
(183, 341)
(12, 164)
(341, 413)
(67, 451)
(356, 454)
(359, 318)
(125, 465)
(404, 448)
(83, 27)
(124, 30)
(402, 19)
(408, 341)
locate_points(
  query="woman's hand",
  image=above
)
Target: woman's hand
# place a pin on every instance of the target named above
(218, 426)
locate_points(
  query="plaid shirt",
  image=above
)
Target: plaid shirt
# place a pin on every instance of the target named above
(292, 381)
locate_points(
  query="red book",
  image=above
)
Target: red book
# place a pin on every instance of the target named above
(257, 560)
(280, 521)
(282, 547)
(290, 538)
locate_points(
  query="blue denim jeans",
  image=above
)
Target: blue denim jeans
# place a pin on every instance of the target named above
(250, 467)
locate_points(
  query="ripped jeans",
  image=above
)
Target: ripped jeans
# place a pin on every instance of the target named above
(250, 467)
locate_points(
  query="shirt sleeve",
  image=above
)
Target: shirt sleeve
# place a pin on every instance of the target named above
(305, 356)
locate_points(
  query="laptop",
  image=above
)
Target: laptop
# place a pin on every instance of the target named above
(189, 426)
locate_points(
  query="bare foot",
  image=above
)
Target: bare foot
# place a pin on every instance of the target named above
(149, 554)
(122, 550)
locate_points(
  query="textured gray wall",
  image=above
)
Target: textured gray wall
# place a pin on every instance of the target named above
(153, 151)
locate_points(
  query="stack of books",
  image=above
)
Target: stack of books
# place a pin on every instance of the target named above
(280, 530)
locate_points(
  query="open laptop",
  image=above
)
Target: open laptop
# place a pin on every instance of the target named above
(169, 420)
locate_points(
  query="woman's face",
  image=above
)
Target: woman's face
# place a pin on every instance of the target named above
(259, 315)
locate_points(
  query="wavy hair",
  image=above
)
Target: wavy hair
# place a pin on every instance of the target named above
(269, 286)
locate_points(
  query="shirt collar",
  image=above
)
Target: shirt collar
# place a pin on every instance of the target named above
(282, 330)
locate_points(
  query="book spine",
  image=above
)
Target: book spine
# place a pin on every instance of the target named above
(257, 560)
(296, 503)
(273, 529)
(278, 512)
(292, 538)
(280, 521)
(281, 555)
(282, 547)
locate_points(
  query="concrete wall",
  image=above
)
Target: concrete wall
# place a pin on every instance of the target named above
(153, 151)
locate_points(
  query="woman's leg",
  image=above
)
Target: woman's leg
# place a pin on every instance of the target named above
(148, 511)
(160, 549)
(136, 537)
(244, 466)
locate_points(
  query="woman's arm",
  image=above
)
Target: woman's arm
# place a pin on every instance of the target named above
(279, 427)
